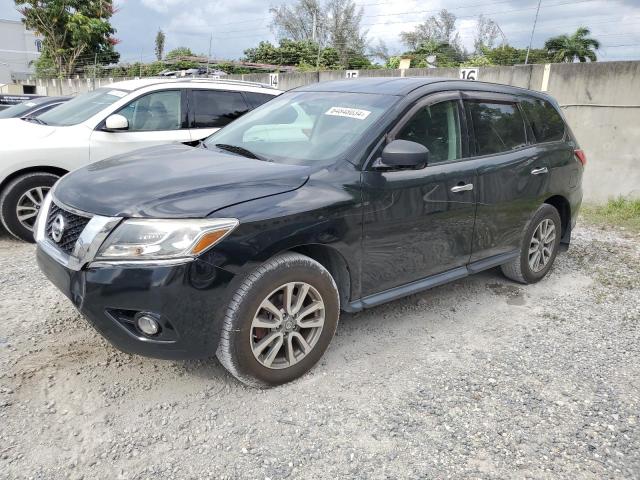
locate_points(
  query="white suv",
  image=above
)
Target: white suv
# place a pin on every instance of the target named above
(122, 117)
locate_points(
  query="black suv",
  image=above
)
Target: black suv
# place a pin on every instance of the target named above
(335, 196)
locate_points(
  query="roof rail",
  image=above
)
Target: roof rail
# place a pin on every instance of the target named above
(220, 80)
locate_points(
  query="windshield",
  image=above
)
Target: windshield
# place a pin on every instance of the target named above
(84, 106)
(16, 111)
(304, 127)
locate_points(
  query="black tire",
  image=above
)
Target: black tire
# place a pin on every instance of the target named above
(11, 195)
(235, 350)
(519, 269)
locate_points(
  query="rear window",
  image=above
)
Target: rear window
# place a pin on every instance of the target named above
(546, 122)
(257, 99)
(216, 108)
(499, 127)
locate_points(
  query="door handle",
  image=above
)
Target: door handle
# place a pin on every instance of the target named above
(462, 188)
(538, 171)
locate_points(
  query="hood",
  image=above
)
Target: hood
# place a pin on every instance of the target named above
(174, 181)
(17, 130)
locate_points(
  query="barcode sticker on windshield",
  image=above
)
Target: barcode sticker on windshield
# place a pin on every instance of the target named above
(348, 112)
(117, 93)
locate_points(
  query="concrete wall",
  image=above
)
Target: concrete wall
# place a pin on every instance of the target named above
(600, 100)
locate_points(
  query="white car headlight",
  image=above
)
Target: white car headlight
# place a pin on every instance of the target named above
(158, 239)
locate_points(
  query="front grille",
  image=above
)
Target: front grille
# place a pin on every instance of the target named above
(73, 227)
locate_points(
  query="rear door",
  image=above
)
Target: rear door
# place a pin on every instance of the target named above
(210, 110)
(419, 222)
(512, 175)
(155, 118)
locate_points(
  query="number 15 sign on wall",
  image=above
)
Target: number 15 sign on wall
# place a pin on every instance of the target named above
(469, 73)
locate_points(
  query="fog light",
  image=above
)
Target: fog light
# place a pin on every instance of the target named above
(148, 325)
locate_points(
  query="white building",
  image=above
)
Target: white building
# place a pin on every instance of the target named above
(19, 47)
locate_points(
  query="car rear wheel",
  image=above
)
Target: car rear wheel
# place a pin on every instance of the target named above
(21, 200)
(539, 247)
(280, 321)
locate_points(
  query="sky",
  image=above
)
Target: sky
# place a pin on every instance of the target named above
(235, 25)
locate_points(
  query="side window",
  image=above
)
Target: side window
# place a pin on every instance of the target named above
(437, 127)
(546, 122)
(216, 108)
(257, 99)
(499, 127)
(154, 111)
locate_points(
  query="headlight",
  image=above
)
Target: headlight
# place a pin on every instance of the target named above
(154, 239)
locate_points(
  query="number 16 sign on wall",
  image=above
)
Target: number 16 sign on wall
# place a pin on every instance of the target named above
(469, 73)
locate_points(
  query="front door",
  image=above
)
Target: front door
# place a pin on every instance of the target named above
(155, 118)
(419, 222)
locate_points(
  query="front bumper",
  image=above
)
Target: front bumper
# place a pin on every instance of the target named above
(188, 300)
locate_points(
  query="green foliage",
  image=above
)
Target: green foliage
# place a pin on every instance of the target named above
(622, 212)
(178, 53)
(568, 48)
(477, 61)
(447, 55)
(304, 55)
(508, 55)
(76, 33)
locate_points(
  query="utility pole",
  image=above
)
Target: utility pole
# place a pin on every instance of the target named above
(209, 56)
(95, 68)
(315, 37)
(526, 60)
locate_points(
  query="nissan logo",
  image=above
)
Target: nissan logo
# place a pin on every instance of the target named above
(57, 228)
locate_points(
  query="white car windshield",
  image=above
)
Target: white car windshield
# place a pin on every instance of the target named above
(84, 106)
(303, 127)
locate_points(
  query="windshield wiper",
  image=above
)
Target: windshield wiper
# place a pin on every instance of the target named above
(35, 119)
(240, 151)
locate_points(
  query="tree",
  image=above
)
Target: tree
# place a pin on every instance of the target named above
(508, 55)
(178, 53)
(487, 31)
(160, 37)
(336, 22)
(75, 32)
(296, 22)
(568, 48)
(440, 29)
(301, 53)
(381, 51)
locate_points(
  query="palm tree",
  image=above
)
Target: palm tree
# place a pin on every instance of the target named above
(566, 48)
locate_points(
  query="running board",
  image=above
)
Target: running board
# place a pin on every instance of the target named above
(429, 282)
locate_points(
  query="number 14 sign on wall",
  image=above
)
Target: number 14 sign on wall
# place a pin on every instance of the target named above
(469, 73)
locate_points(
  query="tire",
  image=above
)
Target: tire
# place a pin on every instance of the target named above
(240, 336)
(520, 269)
(13, 195)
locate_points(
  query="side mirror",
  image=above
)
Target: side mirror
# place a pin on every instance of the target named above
(116, 122)
(403, 153)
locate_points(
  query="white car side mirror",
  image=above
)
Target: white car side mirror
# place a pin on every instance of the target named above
(116, 122)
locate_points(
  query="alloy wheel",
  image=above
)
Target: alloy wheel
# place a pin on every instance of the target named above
(28, 206)
(542, 245)
(287, 325)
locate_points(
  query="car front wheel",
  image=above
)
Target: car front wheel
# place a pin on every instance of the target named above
(538, 248)
(280, 321)
(20, 202)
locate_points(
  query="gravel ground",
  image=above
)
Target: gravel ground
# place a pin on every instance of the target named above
(481, 378)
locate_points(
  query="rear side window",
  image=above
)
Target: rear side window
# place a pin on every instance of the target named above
(546, 122)
(499, 127)
(257, 99)
(215, 108)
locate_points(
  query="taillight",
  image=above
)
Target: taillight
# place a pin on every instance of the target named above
(580, 155)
